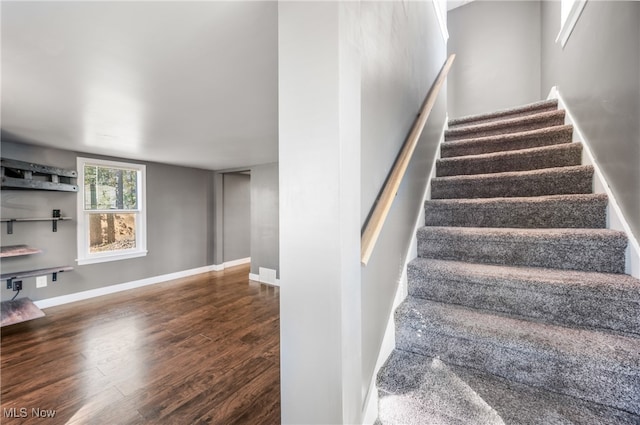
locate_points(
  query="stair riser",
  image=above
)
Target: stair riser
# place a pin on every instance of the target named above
(523, 110)
(576, 307)
(564, 157)
(563, 182)
(609, 384)
(507, 143)
(586, 254)
(456, 124)
(560, 214)
(470, 132)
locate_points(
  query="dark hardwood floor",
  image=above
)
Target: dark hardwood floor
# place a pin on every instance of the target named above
(203, 349)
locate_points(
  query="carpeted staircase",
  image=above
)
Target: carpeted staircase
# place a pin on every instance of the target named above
(518, 309)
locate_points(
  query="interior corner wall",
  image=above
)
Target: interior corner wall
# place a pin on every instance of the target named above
(598, 75)
(265, 225)
(177, 220)
(497, 47)
(236, 206)
(402, 53)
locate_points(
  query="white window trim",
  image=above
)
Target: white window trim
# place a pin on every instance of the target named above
(440, 7)
(566, 27)
(84, 257)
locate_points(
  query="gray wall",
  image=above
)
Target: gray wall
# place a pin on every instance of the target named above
(598, 75)
(402, 53)
(236, 216)
(497, 44)
(177, 227)
(265, 251)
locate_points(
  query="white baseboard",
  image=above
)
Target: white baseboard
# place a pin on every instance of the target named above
(370, 410)
(233, 263)
(615, 218)
(370, 413)
(112, 289)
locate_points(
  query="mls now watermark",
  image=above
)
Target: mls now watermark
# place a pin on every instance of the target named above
(23, 412)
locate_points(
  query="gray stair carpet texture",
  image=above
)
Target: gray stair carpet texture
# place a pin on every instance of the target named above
(547, 181)
(518, 309)
(533, 108)
(567, 297)
(526, 123)
(508, 142)
(565, 155)
(588, 211)
(432, 392)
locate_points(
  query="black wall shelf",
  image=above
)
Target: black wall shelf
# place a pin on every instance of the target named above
(53, 271)
(27, 175)
(53, 220)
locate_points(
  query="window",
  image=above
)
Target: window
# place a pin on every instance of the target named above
(570, 11)
(441, 13)
(111, 211)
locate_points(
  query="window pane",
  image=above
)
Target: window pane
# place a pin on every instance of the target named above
(110, 188)
(111, 232)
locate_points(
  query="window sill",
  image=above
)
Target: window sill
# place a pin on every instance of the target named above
(112, 257)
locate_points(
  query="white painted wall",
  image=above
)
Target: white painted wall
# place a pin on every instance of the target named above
(319, 165)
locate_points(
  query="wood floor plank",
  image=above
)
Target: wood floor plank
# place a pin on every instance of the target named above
(248, 402)
(202, 349)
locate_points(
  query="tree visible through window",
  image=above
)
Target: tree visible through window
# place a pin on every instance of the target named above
(112, 219)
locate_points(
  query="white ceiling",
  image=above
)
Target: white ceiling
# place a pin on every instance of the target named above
(186, 83)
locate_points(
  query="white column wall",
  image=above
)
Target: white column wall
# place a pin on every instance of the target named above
(319, 161)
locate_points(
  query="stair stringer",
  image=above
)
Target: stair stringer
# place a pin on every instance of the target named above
(370, 405)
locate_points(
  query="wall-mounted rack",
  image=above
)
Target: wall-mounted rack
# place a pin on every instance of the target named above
(27, 175)
(53, 271)
(53, 220)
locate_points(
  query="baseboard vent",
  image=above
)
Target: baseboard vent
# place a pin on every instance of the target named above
(265, 275)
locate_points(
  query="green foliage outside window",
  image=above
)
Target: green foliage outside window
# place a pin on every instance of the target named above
(110, 188)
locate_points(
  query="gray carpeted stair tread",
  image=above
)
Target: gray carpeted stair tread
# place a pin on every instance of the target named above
(506, 142)
(518, 124)
(598, 250)
(407, 379)
(427, 392)
(548, 181)
(573, 298)
(555, 211)
(520, 404)
(532, 108)
(593, 366)
(564, 155)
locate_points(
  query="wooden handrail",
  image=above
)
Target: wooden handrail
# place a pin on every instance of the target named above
(381, 210)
